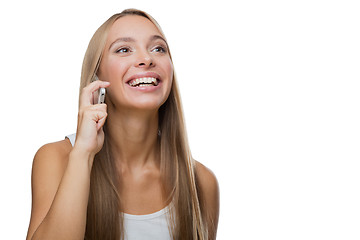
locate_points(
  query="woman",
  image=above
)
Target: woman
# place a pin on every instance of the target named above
(132, 177)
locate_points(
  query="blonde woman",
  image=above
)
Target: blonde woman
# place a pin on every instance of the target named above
(127, 173)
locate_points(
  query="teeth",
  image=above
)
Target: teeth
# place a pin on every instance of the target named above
(143, 80)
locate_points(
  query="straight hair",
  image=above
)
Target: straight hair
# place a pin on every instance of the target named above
(105, 218)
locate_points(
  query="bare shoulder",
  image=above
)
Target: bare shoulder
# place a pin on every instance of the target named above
(209, 192)
(49, 165)
(60, 148)
(51, 156)
(207, 179)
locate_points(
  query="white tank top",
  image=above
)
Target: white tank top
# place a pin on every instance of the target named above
(144, 227)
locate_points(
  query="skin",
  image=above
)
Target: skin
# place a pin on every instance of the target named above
(61, 173)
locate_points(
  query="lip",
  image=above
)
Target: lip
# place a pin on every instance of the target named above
(143, 75)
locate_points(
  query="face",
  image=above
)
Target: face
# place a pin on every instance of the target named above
(137, 63)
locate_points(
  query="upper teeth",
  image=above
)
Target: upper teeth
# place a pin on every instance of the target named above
(137, 81)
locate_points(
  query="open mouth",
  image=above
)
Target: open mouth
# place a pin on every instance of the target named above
(143, 82)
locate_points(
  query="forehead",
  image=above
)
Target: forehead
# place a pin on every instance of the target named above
(132, 26)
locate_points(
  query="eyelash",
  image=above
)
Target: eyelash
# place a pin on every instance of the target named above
(123, 48)
(161, 49)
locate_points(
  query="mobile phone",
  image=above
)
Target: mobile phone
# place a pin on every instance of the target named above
(101, 95)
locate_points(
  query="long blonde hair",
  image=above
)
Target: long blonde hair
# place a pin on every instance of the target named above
(176, 163)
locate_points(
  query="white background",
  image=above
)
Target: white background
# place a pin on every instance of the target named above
(271, 97)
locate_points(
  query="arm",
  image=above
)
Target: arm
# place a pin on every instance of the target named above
(209, 188)
(60, 189)
(61, 175)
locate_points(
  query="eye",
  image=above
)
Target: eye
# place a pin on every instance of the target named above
(123, 50)
(160, 49)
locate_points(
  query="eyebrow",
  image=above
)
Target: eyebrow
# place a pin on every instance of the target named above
(129, 39)
(155, 37)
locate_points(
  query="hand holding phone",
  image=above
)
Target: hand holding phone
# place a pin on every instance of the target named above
(91, 118)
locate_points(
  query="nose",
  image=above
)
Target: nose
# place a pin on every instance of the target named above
(144, 60)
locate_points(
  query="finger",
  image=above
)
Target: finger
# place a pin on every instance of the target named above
(97, 107)
(93, 112)
(100, 120)
(100, 123)
(86, 97)
(96, 85)
(89, 110)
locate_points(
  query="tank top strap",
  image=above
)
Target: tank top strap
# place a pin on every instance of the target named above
(72, 138)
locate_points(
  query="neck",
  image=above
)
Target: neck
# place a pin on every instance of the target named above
(133, 137)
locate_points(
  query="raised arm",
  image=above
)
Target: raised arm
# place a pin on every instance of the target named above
(61, 176)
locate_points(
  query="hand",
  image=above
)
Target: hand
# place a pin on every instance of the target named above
(91, 119)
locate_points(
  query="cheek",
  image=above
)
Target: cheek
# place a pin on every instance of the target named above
(168, 66)
(170, 71)
(115, 71)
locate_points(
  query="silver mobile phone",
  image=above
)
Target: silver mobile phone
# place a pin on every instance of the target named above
(100, 93)
(101, 96)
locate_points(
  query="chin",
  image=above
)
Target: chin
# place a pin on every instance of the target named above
(146, 106)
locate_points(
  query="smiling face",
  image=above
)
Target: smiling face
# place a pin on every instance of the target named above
(136, 61)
